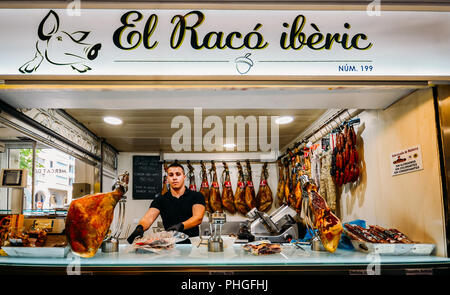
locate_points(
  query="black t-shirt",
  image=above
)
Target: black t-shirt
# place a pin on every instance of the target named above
(175, 210)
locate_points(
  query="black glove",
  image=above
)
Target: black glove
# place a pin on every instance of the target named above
(177, 227)
(138, 232)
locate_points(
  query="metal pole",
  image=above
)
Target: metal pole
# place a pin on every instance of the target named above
(33, 176)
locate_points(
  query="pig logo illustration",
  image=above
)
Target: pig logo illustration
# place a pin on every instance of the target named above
(61, 48)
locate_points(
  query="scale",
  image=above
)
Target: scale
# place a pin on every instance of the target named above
(16, 180)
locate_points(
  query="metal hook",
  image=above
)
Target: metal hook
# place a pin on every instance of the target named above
(349, 116)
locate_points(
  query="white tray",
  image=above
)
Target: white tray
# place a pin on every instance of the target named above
(55, 252)
(394, 249)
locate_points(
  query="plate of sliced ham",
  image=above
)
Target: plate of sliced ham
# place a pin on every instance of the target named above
(263, 247)
(156, 242)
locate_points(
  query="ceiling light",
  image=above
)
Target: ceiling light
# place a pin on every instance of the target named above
(112, 120)
(284, 120)
(229, 145)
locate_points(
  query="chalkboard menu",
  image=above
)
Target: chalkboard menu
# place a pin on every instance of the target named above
(147, 177)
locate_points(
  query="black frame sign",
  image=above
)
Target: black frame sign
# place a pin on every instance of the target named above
(147, 177)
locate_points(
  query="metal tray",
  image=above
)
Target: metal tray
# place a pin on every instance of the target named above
(38, 252)
(394, 249)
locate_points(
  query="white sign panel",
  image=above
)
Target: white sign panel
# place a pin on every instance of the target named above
(405, 161)
(224, 42)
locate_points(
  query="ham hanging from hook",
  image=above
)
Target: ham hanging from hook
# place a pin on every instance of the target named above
(215, 200)
(204, 188)
(250, 198)
(227, 191)
(281, 181)
(264, 198)
(191, 177)
(165, 186)
(239, 196)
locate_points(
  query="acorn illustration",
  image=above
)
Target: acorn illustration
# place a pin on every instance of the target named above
(243, 64)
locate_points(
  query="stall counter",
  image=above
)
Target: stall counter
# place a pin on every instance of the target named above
(234, 259)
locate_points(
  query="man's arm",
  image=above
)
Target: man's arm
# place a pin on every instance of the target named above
(144, 224)
(198, 210)
(149, 217)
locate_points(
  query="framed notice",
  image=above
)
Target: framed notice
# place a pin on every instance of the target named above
(147, 177)
(407, 160)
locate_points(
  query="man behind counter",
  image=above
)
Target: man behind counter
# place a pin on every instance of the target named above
(181, 209)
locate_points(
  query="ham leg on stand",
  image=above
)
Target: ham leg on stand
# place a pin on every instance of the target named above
(328, 225)
(89, 218)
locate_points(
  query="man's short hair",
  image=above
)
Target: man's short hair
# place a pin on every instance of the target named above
(176, 164)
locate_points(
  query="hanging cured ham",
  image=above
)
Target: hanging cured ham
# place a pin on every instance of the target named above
(215, 200)
(281, 181)
(89, 218)
(297, 173)
(298, 197)
(191, 177)
(293, 180)
(250, 197)
(165, 186)
(345, 164)
(204, 188)
(287, 184)
(227, 191)
(239, 196)
(328, 225)
(264, 198)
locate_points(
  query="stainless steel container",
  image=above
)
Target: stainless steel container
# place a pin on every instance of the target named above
(316, 244)
(215, 242)
(110, 245)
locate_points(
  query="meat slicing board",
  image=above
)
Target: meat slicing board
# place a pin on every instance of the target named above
(394, 249)
(54, 252)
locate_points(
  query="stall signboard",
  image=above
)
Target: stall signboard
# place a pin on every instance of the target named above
(407, 160)
(157, 42)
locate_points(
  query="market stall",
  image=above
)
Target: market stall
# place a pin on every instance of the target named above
(354, 184)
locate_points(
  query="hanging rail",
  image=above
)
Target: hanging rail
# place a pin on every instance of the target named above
(187, 162)
(324, 129)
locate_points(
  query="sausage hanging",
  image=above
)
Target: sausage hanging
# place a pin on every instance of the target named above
(345, 162)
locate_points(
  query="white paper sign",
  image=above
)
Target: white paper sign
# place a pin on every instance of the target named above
(405, 161)
(224, 43)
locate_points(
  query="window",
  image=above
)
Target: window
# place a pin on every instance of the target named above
(51, 174)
